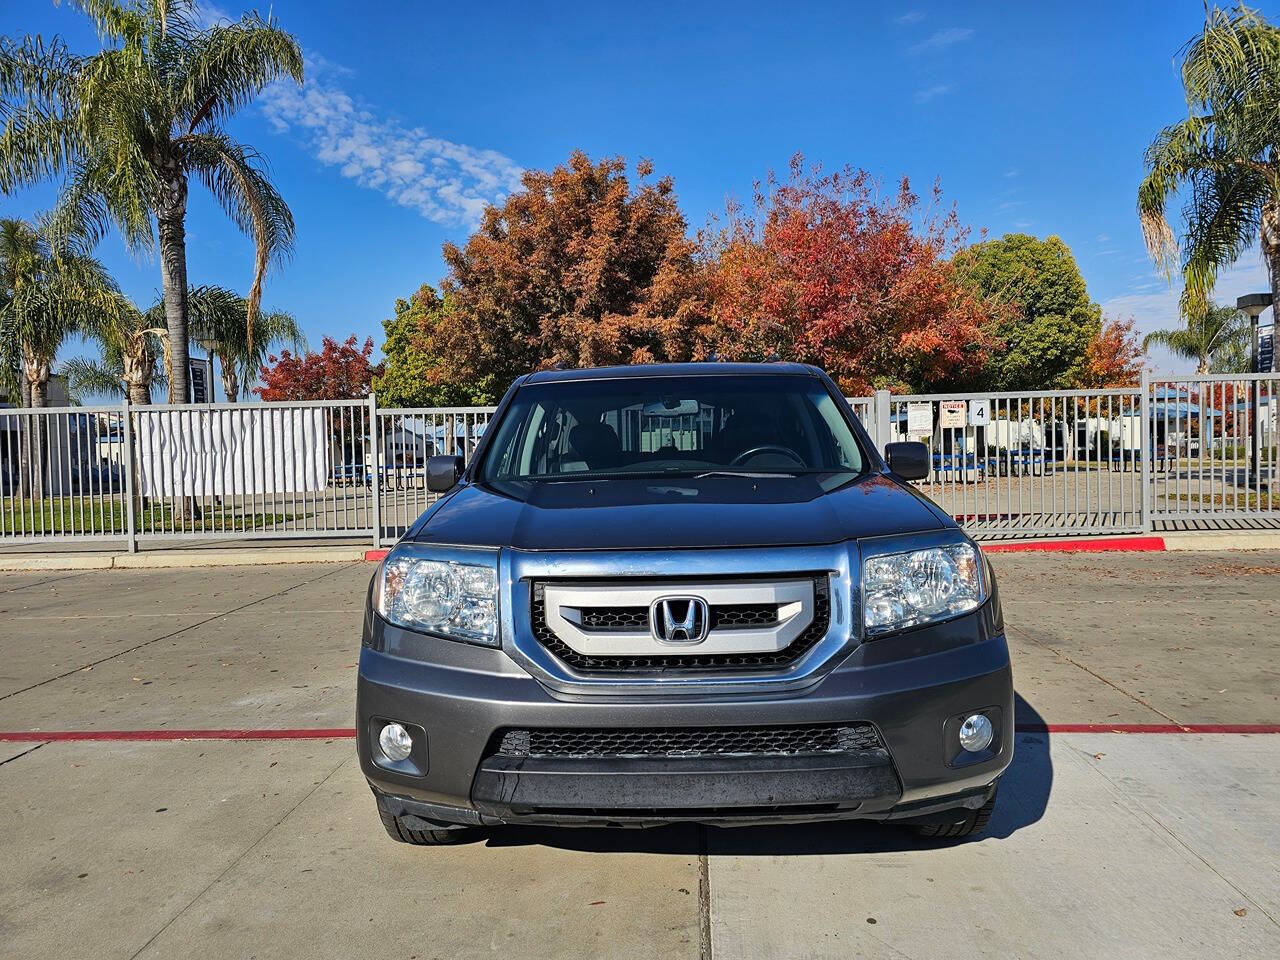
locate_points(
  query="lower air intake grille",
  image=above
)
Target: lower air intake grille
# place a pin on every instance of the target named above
(691, 741)
(738, 616)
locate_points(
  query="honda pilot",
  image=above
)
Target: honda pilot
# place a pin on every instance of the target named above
(691, 592)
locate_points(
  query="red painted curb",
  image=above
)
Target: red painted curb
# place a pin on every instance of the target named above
(375, 556)
(301, 733)
(347, 733)
(1101, 545)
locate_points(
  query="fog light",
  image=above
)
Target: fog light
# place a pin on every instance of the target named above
(396, 743)
(975, 733)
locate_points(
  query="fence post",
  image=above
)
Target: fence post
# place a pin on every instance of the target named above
(128, 477)
(1148, 449)
(882, 434)
(375, 466)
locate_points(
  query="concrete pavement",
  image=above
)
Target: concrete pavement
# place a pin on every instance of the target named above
(1111, 845)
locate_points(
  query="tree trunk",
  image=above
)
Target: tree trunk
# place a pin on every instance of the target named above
(230, 379)
(140, 394)
(36, 373)
(1270, 242)
(24, 436)
(173, 275)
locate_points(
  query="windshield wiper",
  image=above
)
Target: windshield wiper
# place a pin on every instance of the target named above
(740, 473)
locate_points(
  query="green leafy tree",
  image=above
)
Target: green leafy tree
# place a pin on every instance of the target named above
(1223, 159)
(128, 128)
(409, 372)
(220, 323)
(1048, 320)
(1218, 339)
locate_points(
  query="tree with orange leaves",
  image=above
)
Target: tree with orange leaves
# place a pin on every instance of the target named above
(582, 267)
(1113, 357)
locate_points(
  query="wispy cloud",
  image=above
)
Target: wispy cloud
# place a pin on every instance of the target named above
(930, 93)
(1104, 238)
(1158, 310)
(910, 17)
(1012, 204)
(941, 39)
(1011, 173)
(445, 181)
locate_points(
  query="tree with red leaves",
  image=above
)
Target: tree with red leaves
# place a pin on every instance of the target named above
(340, 371)
(827, 271)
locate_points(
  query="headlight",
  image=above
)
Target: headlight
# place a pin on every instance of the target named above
(901, 590)
(420, 589)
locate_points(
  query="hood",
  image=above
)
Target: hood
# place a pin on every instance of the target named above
(679, 513)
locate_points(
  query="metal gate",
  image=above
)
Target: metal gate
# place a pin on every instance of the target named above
(1214, 448)
(1168, 454)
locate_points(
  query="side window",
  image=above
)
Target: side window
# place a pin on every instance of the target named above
(829, 414)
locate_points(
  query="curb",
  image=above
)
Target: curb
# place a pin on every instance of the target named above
(181, 558)
(1081, 545)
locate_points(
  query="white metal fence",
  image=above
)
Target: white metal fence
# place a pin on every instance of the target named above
(1197, 452)
(1169, 454)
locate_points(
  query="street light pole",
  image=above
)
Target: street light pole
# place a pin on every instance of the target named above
(1253, 304)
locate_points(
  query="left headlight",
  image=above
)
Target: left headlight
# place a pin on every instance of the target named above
(449, 597)
(901, 590)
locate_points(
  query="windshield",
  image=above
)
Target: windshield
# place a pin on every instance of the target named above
(680, 425)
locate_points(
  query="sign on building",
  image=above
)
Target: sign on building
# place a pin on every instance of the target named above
(200, 379)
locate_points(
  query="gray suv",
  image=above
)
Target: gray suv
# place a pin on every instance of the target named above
(688, 592)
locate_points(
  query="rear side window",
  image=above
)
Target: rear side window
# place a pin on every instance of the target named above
(671, 425)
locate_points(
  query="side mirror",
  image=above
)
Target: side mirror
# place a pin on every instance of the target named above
(908, 461)
(443, 473)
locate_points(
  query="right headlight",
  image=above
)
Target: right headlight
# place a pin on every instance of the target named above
(449, 597)
(909, 589)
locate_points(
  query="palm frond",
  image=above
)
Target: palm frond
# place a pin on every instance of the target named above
(1222, 216)
(229, 65)
(235, 176)
(1176, 153)
(92, 378)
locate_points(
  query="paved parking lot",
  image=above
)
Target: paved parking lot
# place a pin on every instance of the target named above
(1103, 844)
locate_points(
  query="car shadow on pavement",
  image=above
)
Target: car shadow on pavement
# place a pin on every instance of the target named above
(1024, 795)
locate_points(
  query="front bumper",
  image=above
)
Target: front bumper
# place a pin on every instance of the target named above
(912, 688)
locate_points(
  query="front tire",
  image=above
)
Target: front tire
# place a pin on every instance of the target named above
(398, 831)
(969, 823)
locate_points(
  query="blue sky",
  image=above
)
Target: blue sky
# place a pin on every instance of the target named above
(1033, 115)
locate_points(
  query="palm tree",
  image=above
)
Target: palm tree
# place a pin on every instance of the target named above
(220, 324)
(129, 126)
(1213, 338)
(50, 288)
(1225, 154)
(53, 288)
(132, 349)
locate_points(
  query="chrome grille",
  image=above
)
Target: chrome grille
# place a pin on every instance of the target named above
(725, 617)
(740, 616)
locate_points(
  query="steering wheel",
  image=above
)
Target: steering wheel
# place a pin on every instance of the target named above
(767, 448)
